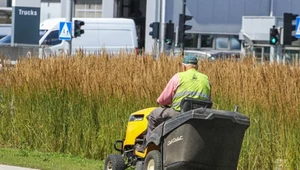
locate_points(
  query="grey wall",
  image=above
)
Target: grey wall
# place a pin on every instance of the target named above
(225, 16)
(3, 3)
(152, 5)
(48, 8)
(108, 10)
(282, 6)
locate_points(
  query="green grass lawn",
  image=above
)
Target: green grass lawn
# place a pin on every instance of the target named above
(47, 161)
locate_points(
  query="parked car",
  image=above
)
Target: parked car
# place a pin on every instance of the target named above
(1, 36)
(211, 54)
(5, 41)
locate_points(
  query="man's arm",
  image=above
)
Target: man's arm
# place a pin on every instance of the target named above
(167, 94)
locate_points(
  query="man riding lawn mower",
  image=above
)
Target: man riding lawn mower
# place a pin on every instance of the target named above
(187, 136)
(198, 138)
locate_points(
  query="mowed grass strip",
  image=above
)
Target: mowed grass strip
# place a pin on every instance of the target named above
(47, 161)
(80, 105)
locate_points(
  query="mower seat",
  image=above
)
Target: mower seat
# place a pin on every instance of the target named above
(188, 104)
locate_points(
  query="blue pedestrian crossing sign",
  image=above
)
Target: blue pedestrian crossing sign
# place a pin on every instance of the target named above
(298, 27)
(65, 31)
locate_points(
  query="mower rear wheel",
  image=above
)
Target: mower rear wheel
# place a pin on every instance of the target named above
(114, 162)
(153, 161)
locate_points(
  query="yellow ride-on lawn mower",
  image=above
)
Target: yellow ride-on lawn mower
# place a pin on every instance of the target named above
(200, 138)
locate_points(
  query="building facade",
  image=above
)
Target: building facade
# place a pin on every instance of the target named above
(216, 24)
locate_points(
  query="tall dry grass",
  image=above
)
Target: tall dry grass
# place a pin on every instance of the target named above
(80, 105)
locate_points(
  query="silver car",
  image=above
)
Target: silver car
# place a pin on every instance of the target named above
(210, 54)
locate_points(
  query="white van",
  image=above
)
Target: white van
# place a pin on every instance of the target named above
(113, 34)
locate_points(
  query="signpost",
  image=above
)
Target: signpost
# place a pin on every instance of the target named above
(65, 31)
(25, 22)
(69, 19)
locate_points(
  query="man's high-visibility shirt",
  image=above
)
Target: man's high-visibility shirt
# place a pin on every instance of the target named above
(167, 95)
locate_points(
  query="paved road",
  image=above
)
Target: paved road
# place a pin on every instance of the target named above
(6, 167)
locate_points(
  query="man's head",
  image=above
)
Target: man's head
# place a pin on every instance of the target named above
(189, 61)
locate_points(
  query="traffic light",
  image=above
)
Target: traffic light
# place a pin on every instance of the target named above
(182, 27)
(169, 32)
(77, 28)
(289, 25)
(155, 30)
(274, 36)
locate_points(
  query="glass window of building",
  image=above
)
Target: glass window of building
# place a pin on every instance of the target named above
(8, 3)
(193, 42)
(207, 41)
(88, 8)
(266, 54)
(261, 53)
(49, 1)
(235, 43)
(257, 53)
(291, 56)
(6, 13)
(222, 43)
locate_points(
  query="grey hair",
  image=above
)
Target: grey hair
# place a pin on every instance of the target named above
(191, 65)
(195, 65)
